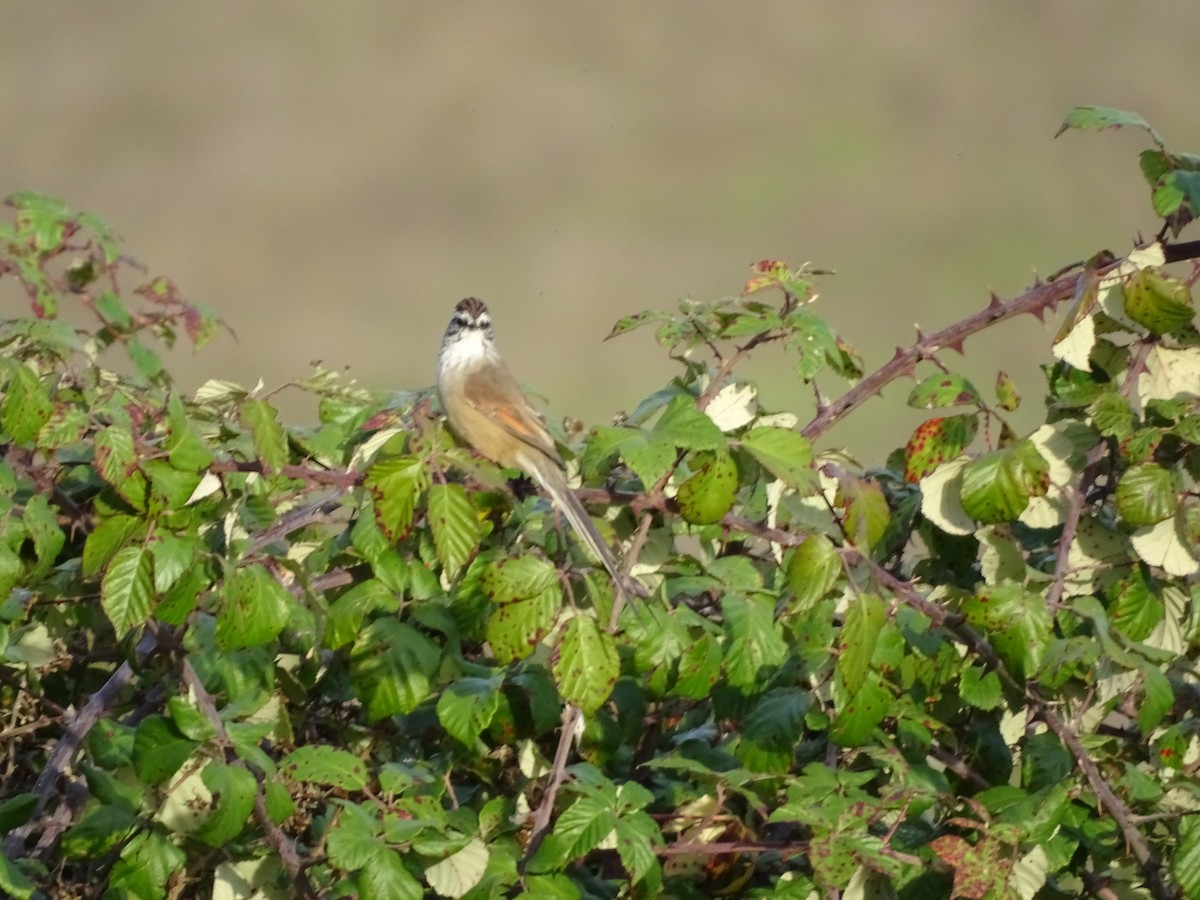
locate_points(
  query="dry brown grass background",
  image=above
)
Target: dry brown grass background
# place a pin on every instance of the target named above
(333, 177)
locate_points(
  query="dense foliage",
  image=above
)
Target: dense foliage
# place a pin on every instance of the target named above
(353, 659)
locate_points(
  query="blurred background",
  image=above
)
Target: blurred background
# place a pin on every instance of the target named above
(332, 178)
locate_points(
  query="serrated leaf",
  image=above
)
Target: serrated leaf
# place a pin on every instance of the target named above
(384, 875)
(587, 664)
(1158, 303)
(1007, 395)
(516, 628)
(867, 514)
(637, 320)
(865, 617)
(1113, 416)
(392, 666)
(1146, 494)
(940, 391)
(27, 405)
(1185, 861)
(756, 643)
(1157, 700)
(459, 872)
(1135, 606)
(784, 453)
(980, 687)
(185, 450)
(255, 607)
(270, 441)
(346, 614)
(650, 457)
(683, 425)
(13, 881)
(321, 764)
(118, 465)
(455, 526)
(1096, 118)
(159, 750)
(517, 578)
(396, 484)
(354, 838)
(467, 707)
(699, 667)
(997, 486)
(859, 713)
(935, 441)
(233, 789)
(706, 495)
(41, 525)
(127, 590)
(811, 570)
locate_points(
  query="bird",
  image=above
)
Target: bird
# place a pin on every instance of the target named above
(488, 411)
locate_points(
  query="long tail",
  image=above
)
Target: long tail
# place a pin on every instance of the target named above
(555, 484)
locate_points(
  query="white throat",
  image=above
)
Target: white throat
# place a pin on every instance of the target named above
(467, 349)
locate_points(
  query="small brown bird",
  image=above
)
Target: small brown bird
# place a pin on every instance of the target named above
(488, 410)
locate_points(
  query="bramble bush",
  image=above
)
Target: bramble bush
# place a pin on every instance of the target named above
(351, 659)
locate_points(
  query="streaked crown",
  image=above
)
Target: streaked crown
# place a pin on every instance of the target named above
(470, 313)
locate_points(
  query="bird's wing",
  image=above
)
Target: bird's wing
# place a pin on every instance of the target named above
(493, 395)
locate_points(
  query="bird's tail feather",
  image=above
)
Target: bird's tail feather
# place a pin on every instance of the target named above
(555, 484)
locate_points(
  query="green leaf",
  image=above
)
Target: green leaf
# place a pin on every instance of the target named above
(384, 875)
(517, 578)
(396, 483)
(185, 450)
(865, 618)
(41, 218)
(859, 713)
(468, 706)
(1158, 699)
(997, 486)
(101, 830)
(148, 363)
(13, 881)
(233, 789)
(709, 492)
(784, 453)
(980, 687)
(41, 525)
(516, 628)
(867, 514)
(935, 441)
(173, 556)
(118, 465)
(756, 644)
(940, 391)
(27, 405)
(321, 764)
(1146, 494)
(811, 570)
(255, 607)
(650, 457)
(392, 666)
(699, 667)
(345, 617)
(455, 526)
(354, 838)
(683, 425)
(1158, 303)
(127, 590)
(1185, 861)
(1135, 607)
(587, 666)
(270, 441)
(1006, 392)
(159, 749)
(459, 872)
(1097, 118)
